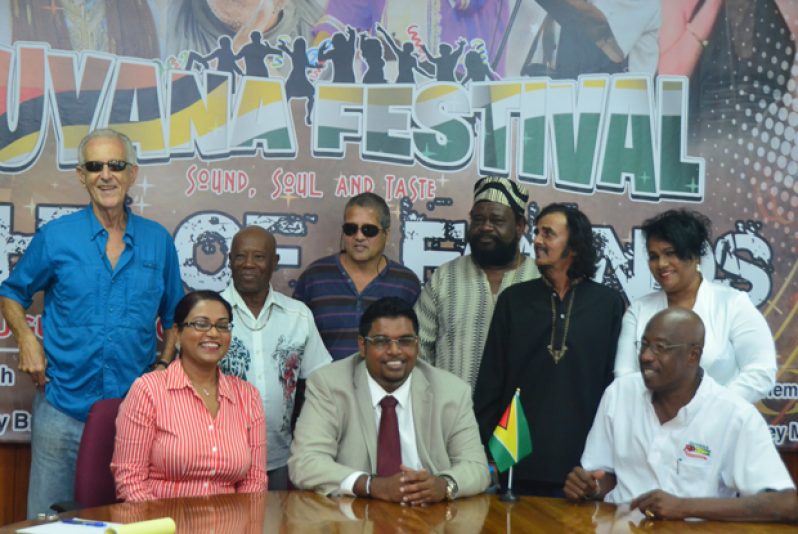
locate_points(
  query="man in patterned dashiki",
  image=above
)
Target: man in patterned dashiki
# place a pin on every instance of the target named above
(456, 304)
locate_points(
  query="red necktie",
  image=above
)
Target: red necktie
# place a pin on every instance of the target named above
(389, 452)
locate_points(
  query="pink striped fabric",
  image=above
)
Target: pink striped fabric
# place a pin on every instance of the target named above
(168, 445)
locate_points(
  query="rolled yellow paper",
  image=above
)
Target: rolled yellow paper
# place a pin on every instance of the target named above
(163, 525)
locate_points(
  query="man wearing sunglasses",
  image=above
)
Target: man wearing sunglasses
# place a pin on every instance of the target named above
(385, 425)
(107, 274)
(456, 304)
(674, 444)
(338, 288)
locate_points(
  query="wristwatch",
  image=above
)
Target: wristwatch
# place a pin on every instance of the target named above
(451, 487)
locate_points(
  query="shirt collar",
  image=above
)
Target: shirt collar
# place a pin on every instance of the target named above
(237, 302)
(571, 284)
(691, 408)
(687, 411)
(97, 228)
(381, 274)
(401, 394)
(176, 378)
(702, 289)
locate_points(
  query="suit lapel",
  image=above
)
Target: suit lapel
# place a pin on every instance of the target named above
(365, 412)
(422, 414)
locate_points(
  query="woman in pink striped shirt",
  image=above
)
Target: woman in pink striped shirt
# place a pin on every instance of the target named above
(191, 430)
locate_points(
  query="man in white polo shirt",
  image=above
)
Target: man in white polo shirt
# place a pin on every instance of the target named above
(275, 341)
(673, 443)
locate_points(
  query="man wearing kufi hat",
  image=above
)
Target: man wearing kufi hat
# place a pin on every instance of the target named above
(455, 307)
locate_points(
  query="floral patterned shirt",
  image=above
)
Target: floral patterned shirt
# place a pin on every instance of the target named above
(273, 351)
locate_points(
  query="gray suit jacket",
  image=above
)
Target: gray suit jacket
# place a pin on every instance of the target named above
(336, 434)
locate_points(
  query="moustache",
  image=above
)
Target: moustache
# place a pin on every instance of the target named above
(486, 236)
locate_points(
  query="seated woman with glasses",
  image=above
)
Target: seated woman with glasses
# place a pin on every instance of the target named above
(191, 430)
(739, 352)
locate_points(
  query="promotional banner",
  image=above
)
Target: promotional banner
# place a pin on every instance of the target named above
(274, 113)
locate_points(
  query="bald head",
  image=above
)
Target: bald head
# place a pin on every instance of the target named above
(671, 350)
(253, 259)
(256, 232)
(679, 324)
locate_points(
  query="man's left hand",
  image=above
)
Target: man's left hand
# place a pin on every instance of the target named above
(421, 487)
(658, 504)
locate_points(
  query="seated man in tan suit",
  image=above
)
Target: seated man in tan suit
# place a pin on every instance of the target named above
(384, 425)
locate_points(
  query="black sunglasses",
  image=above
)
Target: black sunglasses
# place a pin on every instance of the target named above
(97, 166)
(368, 230)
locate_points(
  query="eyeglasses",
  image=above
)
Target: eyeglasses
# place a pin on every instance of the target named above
(97, 166)
(204, 325)
(368, 230)
(383, 343)
(657, 348)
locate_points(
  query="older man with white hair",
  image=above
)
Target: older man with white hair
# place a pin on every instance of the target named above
(107, 274)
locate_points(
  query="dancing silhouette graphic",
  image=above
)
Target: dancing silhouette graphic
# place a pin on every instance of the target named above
(255, 53)
(224, 56)
(406, 58)
(340, 50)
(446, 61)
(297, 85)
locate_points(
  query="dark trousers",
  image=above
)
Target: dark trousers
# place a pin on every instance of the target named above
(536, 488)
(278, 478)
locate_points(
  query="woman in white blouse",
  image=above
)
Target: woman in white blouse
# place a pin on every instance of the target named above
(738, 349)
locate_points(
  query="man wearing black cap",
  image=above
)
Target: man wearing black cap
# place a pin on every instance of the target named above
(456, 304)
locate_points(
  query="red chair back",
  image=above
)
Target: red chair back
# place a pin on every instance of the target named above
(94, 482)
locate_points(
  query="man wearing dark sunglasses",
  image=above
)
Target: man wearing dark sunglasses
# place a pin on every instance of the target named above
(340, 287)
(107, 274)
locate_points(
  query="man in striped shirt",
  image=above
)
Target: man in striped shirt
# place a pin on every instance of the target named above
(339, 288)
(455, 308)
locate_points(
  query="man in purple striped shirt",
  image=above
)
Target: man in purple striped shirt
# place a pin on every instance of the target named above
(339, 288)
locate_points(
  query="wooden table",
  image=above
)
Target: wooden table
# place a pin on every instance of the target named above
(305, 512)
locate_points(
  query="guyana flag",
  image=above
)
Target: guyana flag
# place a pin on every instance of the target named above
(511, 440)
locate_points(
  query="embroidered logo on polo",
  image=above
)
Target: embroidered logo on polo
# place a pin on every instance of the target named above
(697, 450)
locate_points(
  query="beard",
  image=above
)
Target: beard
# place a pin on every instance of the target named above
(500, 255)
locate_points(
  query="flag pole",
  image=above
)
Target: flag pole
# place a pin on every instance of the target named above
(508, 495)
